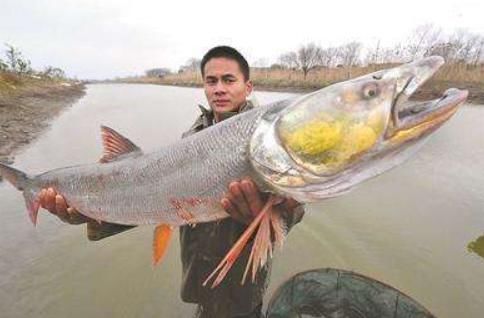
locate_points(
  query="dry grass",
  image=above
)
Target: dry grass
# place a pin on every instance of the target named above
(12, 85)
(15, 90)
(452, 75)
(326, 76)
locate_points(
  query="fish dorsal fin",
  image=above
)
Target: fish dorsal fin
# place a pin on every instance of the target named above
(161, 239)
(116, 145)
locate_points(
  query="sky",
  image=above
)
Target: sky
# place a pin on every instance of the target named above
(97, 39)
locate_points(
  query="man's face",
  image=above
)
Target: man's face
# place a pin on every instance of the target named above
(225, 86)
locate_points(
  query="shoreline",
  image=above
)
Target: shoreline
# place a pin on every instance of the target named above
(27, 111)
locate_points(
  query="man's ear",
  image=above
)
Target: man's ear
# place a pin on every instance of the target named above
(249, 86)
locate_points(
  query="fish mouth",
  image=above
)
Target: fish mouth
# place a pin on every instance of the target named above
(413, 119)
(418, 113)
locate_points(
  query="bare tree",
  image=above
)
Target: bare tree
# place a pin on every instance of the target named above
(289, 60)
(11, 53)
(306, 58)
(309, 56)
(3, 65)
(328, 56)
(332, 53)
(374, 55)
(423, 38)
(448, 50)
(461, 47)
(16, 62)
(192, 65)
(469, 47)
(395, 54)
(478, 52)
(262, 62)
(53, 72)
(350, 53)
(463, 43)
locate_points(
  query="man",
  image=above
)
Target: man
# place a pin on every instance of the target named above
(227, 85)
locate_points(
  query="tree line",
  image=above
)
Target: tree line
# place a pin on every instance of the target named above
(15, 62)
(461, 47)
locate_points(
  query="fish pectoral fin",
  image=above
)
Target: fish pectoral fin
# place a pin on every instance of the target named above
(161, 239)
(258, 257)
(116, 145)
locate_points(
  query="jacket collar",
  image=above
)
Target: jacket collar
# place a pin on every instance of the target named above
(210, 118)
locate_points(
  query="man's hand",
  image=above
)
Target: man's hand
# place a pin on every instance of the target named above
(244, 201)
(57, 205)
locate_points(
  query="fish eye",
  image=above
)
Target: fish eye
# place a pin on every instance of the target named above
(370, 90)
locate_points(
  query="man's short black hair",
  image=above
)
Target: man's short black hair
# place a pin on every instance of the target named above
(228, 53)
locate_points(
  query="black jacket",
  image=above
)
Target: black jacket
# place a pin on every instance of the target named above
(205, 245)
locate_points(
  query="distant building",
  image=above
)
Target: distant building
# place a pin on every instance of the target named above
(158, 72)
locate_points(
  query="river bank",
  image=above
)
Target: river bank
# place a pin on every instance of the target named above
(430, 90)
(27, 106)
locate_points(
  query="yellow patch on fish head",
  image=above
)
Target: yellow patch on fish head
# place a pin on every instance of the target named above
(325, 133)
(326, 143)
(314, 137)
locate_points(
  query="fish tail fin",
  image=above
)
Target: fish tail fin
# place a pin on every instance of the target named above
(161, 240)
(32, 204)
(261, 248)
(16, 177)
(23, 183)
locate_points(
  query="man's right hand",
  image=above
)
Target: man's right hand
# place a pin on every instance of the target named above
(57, 205)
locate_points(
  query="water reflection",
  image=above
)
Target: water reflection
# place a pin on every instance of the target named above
(477, 246)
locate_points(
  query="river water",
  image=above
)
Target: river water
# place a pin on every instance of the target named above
(409, 227)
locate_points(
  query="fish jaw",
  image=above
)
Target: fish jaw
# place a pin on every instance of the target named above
(425, 117)
(324, 143)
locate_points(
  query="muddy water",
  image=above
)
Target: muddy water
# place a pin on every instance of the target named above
(410, 227)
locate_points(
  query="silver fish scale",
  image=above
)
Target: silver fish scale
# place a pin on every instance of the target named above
(179, 184)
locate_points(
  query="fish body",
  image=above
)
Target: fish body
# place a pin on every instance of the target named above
(176, 185)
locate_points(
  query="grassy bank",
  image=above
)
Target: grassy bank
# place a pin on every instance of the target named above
(455, 75)
(14, 86)
(27, 104)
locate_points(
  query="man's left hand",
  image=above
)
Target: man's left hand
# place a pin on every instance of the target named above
(244, 201)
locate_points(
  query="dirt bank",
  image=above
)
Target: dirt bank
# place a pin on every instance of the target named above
(27, 108)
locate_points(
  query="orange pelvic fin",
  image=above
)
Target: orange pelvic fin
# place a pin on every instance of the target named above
(161, 239)
(228, 261)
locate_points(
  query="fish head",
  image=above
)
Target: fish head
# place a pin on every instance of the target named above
(326, 142)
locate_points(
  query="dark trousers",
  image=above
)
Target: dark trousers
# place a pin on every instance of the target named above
(206, 312)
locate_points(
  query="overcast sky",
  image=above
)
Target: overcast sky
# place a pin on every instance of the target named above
(104, 39)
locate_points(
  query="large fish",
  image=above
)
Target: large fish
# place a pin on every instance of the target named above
(308, 148)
